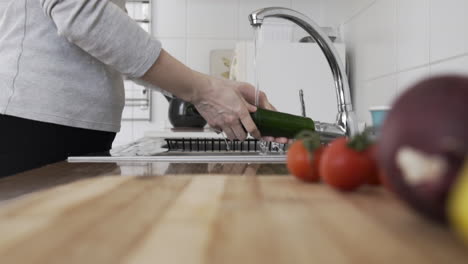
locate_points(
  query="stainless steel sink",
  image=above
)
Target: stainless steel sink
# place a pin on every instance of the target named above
(191, 151)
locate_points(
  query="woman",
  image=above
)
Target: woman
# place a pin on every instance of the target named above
(61, 88)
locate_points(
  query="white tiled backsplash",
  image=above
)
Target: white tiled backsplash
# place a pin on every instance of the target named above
(212, 24)
(394, 43)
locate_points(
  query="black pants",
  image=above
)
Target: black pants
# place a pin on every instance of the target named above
(27, 144)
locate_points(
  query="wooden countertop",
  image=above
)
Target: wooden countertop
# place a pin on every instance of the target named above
(206, 213)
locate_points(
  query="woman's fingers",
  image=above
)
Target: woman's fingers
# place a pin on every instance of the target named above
(229, 133)
(251, 108)
(217, 130)
(249, 125)
(271, 107)
(282, 140)
(239, 132)
(264, 102)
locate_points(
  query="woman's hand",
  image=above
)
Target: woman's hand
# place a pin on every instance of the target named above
(227, 107)
(248, 92)
(224, 107)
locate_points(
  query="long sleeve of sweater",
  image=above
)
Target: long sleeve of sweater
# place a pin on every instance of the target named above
(103, 30)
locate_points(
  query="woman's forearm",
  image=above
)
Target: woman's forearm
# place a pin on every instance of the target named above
(174, 77)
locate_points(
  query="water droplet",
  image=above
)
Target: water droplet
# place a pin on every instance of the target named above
(228, 148)
(263, 145)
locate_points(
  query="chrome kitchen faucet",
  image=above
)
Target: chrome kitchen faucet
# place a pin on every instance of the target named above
(345, 121)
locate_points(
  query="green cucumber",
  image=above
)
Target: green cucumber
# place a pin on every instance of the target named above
(278, 124)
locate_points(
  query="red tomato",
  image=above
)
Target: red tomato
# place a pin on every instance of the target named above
(343, 167)
(301, 164)
(374, 176)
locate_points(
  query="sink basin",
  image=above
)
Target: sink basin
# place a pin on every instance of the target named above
(190, 158)
(155, 150)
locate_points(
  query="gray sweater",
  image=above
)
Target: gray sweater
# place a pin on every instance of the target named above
(62, 61)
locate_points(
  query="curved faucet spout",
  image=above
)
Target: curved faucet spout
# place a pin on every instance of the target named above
(345, 121)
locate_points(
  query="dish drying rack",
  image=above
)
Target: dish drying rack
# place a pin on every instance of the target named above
(222, 145)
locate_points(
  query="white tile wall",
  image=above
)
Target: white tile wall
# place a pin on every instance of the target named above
(378, 92)
(248, 6)
(169, 18)
(452, 66)
(336, 12)
(3, 6)
(312, 9)
(380, 33)
(413, 33)
(408, 78)
(448, 28)
(215, 19)
(213, 24)
(395, 43)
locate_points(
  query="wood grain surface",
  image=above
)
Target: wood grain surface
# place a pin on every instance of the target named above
(64, 172)
(217, 218)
